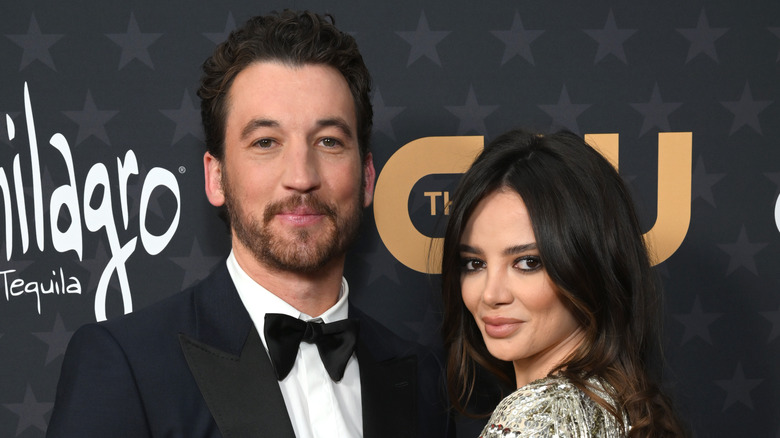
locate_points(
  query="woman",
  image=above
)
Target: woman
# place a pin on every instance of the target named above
(547, 282)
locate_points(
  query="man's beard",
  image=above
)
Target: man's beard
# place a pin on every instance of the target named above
(304, 252)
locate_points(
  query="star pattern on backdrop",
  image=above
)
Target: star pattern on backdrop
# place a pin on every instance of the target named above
(776, 32)
(94, 267)
(35, 45)
(702, 182)
(218, 37)
(186, 118)
(56, 339)
(774, 318)
(471, 114)
(564, 113)
(610, 39)
(738, 388)
(134, 43)
(517, 40)
(423, 41)
(384, 115)
(91, 121)
(429, 328)
(656, 112)
(702, 38)
(697, 323)
(379, 268)
(746, 110)
(30, 411)
(196, 265)
(742, 253)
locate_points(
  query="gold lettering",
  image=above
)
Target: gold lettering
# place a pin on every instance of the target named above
(414, 160)
(675, 163)
(443, 155)
(433, 196)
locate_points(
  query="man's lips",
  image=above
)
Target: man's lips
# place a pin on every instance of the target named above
(301, 216)
(500, 327)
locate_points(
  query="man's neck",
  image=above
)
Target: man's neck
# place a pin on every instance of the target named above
(311, 293)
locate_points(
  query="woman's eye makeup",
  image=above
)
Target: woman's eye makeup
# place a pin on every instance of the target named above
(529, 263)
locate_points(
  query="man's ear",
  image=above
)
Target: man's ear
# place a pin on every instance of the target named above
(212, 168)
(369, 178)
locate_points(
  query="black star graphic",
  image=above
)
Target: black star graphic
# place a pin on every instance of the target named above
(564, 113)
(30, 412)
(380, 267)
(423, 41)
(187, 119)
(95, 267)
(383, 115)
(134, 44)
(702, 182)
(697, 323)
(91, 121)
(472, 114)
(774, 177)
(610, 39)
(35, 45)
(429, 328)
(738, 388)
(196, 266)
(702, 38)
(57, 339)
(517, 40)
(776, 31)
(742, 253)
(746, 110)
(219, 37)
(656, 112)
(774, 318)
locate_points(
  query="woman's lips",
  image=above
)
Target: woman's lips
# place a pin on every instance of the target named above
(500, 327)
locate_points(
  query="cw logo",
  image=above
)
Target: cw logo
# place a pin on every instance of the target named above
(452, 155)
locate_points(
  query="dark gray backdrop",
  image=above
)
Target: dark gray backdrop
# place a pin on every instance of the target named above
(114, 77)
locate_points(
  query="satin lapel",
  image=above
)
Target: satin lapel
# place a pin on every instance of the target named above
(240, 391)
(230, 365)
(389, 394)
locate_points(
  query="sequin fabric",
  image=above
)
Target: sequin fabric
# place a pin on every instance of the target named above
(553, 408)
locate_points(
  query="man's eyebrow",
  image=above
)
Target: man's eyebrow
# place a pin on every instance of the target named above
(257, 123)
(337, 122)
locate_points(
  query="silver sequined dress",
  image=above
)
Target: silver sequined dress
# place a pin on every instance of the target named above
(553, 407)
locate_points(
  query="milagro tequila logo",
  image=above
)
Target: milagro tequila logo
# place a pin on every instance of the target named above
(97, 215)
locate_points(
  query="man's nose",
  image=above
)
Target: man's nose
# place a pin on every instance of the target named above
(301, 168)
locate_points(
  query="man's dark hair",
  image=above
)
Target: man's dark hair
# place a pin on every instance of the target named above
(291, 38)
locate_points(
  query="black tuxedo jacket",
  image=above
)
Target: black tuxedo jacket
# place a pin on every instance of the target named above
(193, 365)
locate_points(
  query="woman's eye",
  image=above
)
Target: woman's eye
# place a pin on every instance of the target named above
(469, 265)
(529, 263)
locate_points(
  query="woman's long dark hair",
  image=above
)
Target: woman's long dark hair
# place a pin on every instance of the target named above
(591, 244)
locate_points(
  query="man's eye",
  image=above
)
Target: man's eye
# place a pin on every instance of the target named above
(264, 143)
(330, 142)
(529, 263)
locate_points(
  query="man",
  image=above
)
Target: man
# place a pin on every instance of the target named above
(287, 116)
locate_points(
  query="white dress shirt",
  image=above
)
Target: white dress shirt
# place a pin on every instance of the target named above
(317, 406)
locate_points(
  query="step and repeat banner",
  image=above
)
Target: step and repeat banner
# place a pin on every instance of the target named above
(102, 208)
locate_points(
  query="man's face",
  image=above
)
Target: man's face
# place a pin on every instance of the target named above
(291, 178)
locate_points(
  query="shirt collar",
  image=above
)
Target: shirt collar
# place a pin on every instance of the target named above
(258, 300)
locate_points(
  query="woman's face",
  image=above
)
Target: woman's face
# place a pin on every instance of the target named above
(506, 288)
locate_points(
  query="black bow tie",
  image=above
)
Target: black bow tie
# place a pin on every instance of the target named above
(335, 342)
